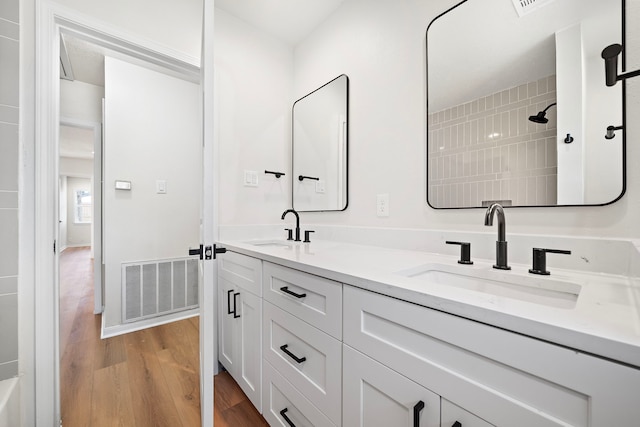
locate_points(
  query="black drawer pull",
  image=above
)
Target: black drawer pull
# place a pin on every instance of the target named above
(235, 307)
(229, 311)
(457, 424)
(416, 413)
(283, 413)
(291, 355)
(286, 290)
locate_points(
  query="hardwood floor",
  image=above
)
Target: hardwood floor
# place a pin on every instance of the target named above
(145, 378)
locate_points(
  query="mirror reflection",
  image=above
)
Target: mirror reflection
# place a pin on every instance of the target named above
(320, 137)
(518, 109)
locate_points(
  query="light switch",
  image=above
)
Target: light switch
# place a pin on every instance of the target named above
(161, 186)
(320, 186)
(123, 185)
(250, 178)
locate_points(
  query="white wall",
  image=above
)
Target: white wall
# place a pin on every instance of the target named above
(380, 46)
(77, 234)
(62, 214)
(82, 168)
(152, 132)
(81, 101)
(253, 120)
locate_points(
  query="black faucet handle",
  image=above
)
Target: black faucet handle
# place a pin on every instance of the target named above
(540, 260)
(306, 235)
(290, 233)
(465, 251)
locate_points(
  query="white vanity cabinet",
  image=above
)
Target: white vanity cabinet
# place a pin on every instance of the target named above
(483, 374)
(302, 329)
(240, 332)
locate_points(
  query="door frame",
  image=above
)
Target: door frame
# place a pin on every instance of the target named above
(51, 21)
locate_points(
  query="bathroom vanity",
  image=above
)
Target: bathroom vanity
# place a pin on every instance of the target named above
(339, 334)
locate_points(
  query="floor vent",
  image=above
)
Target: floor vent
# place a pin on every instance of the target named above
(525, 6)
(155, 288)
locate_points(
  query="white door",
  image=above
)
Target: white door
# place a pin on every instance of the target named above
(208, 282)
(376, 396)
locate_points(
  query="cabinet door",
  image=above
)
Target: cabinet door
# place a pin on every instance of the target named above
(375, 395)
(249, 366)
(227, 341)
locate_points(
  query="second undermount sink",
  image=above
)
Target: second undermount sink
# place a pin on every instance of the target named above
(538, 290)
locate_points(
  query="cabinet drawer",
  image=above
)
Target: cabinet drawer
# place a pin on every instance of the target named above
(452, 414)
(281, 396)
(241, 270)
(317, 371)
(504, 378)
(317, 301)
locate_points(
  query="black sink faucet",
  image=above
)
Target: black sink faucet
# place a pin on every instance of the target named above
(297, 239)
(501, 243)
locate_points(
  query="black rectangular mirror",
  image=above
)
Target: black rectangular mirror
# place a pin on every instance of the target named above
(518, 108)
(320, 148)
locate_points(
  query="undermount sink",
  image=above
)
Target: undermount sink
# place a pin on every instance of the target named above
(270, 243)
(537, 290)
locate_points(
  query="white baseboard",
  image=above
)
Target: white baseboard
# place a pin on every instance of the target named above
(114, 331)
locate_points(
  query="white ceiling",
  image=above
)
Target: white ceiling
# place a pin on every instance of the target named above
(287, 20)
(87, 60)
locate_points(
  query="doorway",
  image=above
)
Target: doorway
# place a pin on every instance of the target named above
(54, 22)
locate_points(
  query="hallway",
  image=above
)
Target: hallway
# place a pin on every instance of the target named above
(145, 378)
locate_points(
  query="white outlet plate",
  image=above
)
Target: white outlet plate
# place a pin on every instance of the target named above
(250, 178)
(382, 205)
(320, 186)
(161, 186)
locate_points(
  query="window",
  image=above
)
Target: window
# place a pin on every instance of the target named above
(83, 207)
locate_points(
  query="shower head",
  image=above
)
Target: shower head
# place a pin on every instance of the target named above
(541, 116)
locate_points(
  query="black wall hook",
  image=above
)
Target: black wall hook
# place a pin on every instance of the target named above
(568, 139)
(610, 55)
(277, 174)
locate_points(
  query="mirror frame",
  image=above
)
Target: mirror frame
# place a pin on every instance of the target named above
(624, 119)
(346, 160)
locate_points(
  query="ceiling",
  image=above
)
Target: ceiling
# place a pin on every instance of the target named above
(287, 20)
(87, 60)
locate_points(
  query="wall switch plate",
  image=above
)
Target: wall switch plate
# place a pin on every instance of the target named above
(382, 205)
(320, 186)
(161, 186)
(250, 178)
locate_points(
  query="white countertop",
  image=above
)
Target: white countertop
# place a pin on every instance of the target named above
(604, 320)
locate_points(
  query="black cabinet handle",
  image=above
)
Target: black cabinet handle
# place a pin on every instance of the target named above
(457, 424)
(286, 290)
(416, 413)
(235, 307)
(291, 355)
(229, 311)
(283, 413)
(302, 177)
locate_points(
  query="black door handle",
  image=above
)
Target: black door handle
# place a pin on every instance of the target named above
(235, 307)
(416, 413)
(199, 251)
(229, 311)
(286, 290)
(291, 355)
(283, 413)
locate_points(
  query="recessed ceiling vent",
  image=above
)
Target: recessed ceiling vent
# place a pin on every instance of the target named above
(526, 6)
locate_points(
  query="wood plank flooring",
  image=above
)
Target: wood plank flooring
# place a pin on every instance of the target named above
(145, 378)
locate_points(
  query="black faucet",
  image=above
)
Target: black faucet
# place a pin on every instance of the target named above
(297, 239)
(501, 243)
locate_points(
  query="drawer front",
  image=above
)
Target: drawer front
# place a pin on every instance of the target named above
(241, 270)
(313, 299)
(281, 400)
(311, 360)
(452, 414)
(502, 377)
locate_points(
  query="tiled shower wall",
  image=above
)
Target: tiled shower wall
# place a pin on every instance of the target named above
(9, 161)
(487, 149)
